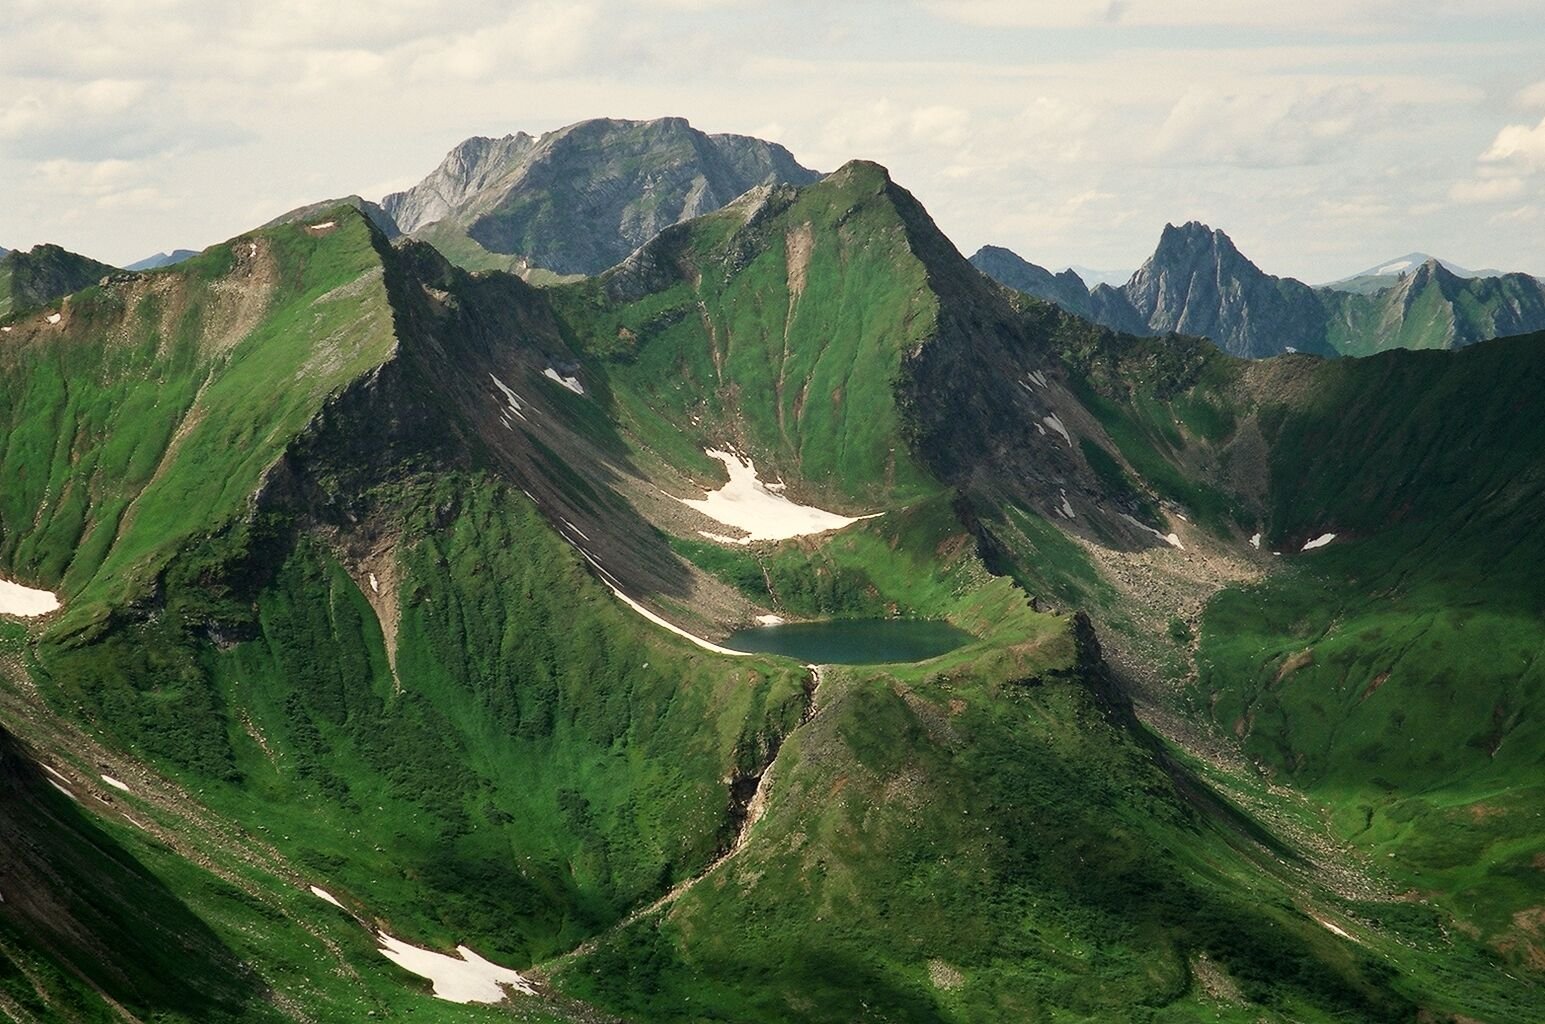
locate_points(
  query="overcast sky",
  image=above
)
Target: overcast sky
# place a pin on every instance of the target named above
(1323, 135)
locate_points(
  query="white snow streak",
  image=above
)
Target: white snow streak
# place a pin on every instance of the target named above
(1318, 542)
(1172, 539)
(1255, 542)
(1053, 422)
(116, 784)
(322, 894)
(572, 383)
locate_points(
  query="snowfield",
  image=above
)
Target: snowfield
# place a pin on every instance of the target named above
(469, 979)
(16, 599)
(1319, 542)
(764, 514)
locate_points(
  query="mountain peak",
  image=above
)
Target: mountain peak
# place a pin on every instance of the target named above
(579, 199)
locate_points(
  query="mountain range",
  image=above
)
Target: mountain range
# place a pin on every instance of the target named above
(1197, 282)
(393, 671)
(161, 259)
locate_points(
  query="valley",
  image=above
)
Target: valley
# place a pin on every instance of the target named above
(436, 639)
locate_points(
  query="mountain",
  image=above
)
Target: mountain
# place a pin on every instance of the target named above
(315, 211)
(161, 259)
(1197, 282)
(396, 604)
(579, 199)
(1389, 273)
(44, 273)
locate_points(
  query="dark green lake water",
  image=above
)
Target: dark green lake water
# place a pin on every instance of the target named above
(852, 641)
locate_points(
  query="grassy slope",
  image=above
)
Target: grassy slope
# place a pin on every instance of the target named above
(119, 451)
(1392, 676)
(722, 351)
(1418, 718)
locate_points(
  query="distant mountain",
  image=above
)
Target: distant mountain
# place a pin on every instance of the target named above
(1388, 274)
(1197, 282)
(1103, 305)
(1432, 307)
(1092, 277)
(580, 199)
(43, 274)
(161, 259)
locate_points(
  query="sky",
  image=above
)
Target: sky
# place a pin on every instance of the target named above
(1324, 136)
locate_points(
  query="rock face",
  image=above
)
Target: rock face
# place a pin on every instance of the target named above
(580, 199)
(1197, 282)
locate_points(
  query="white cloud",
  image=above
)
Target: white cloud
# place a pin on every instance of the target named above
(1518, 145)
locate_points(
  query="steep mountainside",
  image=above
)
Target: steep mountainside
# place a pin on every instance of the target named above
(44, 273)
(579, 199)
(386, 617)
(1198, 283)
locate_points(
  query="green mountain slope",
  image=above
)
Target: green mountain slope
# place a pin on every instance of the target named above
(41, 275)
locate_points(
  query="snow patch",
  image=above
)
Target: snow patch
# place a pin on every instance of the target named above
(322, 894)
(324, 225)
(16, 599)
(574, 528)
(748, 504)
(54, 318)
(251, 248)
(467, 979)
(66, 792)
(770, 620)
(1318, 542)
(375, 585)
(7, 330)
(1255, 542)
(1053, 422)
(1172, 539)
(572, 383)
(1067, 507)
(116, 784)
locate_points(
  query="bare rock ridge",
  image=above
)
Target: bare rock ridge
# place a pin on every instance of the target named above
(579, 199)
